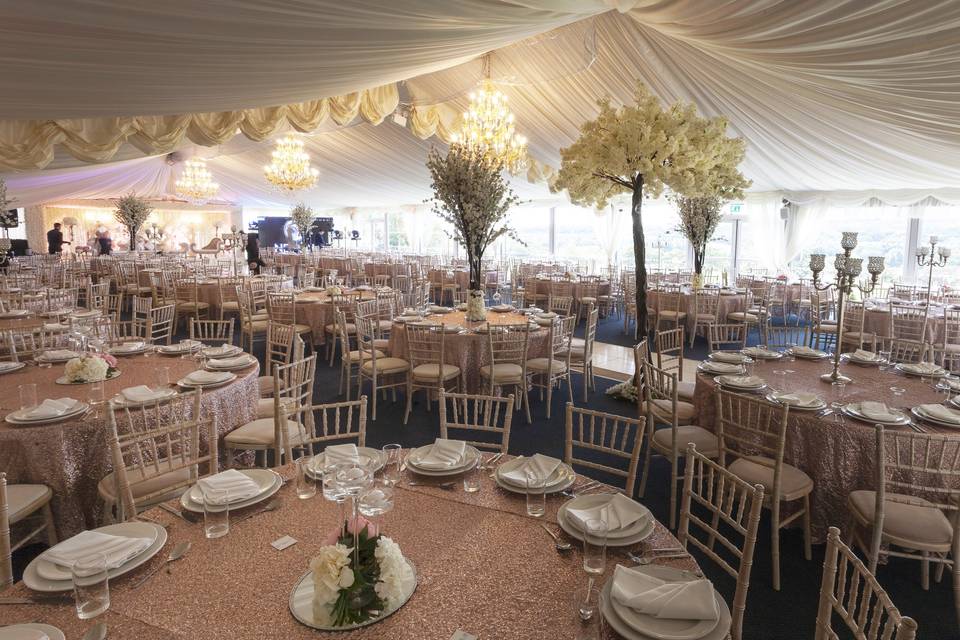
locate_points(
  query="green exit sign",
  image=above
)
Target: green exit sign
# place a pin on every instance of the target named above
(736, 207)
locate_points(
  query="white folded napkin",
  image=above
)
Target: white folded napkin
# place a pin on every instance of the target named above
(128, 346)
(222, 350)
(941, 412)
(744, 381)
(8, 366)
(229, 363)
(693, 600)
(803, 350)
(51, 408)
(922, 368)
(183, 345)
(876, 411)
(239, 486)
(722, 367)
(799, 398)
(59, 354)
(22, 633)
(539, 466)
(56, 326)
(117, 549)
(757, 351)
(443, 454)
(208, 377)
(12, 313)
(863, 354)
(141, 393)
(620, 512)
(727, 356)
(337, 453)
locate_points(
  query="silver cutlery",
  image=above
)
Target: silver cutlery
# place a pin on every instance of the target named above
(443, 485)
(573, 492)
(175, 512)
(35, 599)
(492, 461)
(273, 505)
(96, 632)
(649, 552)
(559, 544)
(175, 554)
(645, 560)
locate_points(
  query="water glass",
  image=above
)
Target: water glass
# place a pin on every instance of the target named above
(471, 480)
(216, 512)
(96, 395)
(304, 485)
(28, 395)
(161, 378)
(885, 360)
(392, 456)
(595, 546)
(586, 599)
(91, 585)
(536, 496)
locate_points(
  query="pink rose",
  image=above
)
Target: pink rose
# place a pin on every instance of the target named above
(357, 525)
(109, 359)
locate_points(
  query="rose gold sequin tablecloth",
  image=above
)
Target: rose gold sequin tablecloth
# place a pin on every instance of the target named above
(839, 457)
(71, 457)
(876, 320)
(314, 309)
(483, 566)
(728, 304)
(469, 350)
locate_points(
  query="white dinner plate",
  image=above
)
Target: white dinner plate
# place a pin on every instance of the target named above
(761, 354)
(923, 415)
(183, 346)
(215, 352)
(11, 632)
(440, 310)
(470, 458)
(863, 363)
(636, 532)
(136, 529)
(366, 454)
(726, 380)
(820, 404)
(15, 417)
(269, 482)
(163, 395)
(853, 410)
(905, 369)
(10, 367)
(562, 478)
(663, 629)
(250, 361)
(129, 348)
(729, 357)
(502, 308)
(706, 366)
(817, 355)
(45, 357)
(186, 384)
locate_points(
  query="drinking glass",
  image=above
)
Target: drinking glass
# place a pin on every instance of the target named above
(304, 485)
(91, 585)
(586, 599)
(898, 391)
(161, 378)
(28, 395)
(392, 454)
(216, 512)
(595, 546)
(471, 480)
(96, 396)
(536, 498)
(885, 360)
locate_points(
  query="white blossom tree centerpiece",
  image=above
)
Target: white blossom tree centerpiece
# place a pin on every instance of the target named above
(472, 195)
(132, 212)
(302, 217)
(699, 218)
(8, 219)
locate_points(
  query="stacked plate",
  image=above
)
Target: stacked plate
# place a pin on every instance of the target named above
(184, 346)
(8, 367)
(808, 353)
(798, 400)
(922, 369)
(206, 379)
(759, 353)
(709, 366)
(131, 348)
(48, 411)
(633, 625)
(57, 355)
(31, 630)
(235, 363)
(502, 308)
(862, 357)
(938, 414)
(438, 309)
(268, 483)
(141, 395)
(222, 351)
(466, 462)
(86, 313)
(368, 457)
(511, 476)
(15, 313)
(875, 413)
(44, 575)
(618, 537)
(729, 357)
(742, 383)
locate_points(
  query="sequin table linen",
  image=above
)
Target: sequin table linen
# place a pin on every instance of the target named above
(483, 566)
(314, 308)
(71, 457)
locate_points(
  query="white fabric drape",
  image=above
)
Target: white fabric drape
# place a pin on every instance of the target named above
(764, 230)
(609, 226)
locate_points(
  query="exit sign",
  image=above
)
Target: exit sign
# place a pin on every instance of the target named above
(736, 207)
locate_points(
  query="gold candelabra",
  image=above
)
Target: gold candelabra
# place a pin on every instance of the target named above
(848, 270)
(925, 258)
(233, 241)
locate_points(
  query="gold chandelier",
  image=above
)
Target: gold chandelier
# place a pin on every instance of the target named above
(488, 125)
(196, 183)
(290, 169)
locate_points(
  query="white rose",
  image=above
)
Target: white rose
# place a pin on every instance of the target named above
(346, 578)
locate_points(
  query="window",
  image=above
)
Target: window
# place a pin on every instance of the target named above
(666, 248)
(532, 225)
(576, 237)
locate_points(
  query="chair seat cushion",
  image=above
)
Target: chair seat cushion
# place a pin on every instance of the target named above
(742, 316)
(685, 410)
(265, 406)
(381, 343)
(685, 390)
(230, 305)
(354, 356)
(152, 483)
(577, 343)
(588, 300)
(302, 328)
(915, 525)
(431, 372)
(857, 335)
(705, 441)
(260, 317)
(259, 326)
(386, 365)
(261, 432)
(827, 328)
(189, 306)
(672, 314)
(385, 325)
(706, 317)
(24, 499)
(952, 348)
(332, 328)
(265, 384)
(794, 483)
(541, 365)
(503, 372)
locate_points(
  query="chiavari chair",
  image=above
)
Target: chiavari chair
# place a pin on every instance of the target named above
(477, 416)
(334, 423)
(227, 300)
(212, 332)
(616, 440)
(948, 348)
(350, 359)
(346, 303)
(506, 353)
(382, 372)
(669, 346)
(905, 351)
(726, 336)
(908, 322)
(426, 353)
(19, 502)
(853, 330)
(560, 305)
(706, 306)
(669, 308)
(251, 326)
(548, 372)
(282, 308)
(187, 300)
(784, 336)
(581, 351)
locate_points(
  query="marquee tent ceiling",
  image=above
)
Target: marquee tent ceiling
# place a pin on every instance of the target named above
(842, 95)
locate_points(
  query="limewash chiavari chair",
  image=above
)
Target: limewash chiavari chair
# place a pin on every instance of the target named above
(350, 361)
(212, 332)
(227, 300)
(282, 308)
(381, 280)
(518, 298)
(156, 453)
(853, 331)
(507, 347)
(851, 591)
(731, 518)
(581, 351)
(908, 322)
(334, 423)
(948, 349)
(613, 438)
(98, 297)
(468, 415)
(783, 336)
(669, 301)
(823, 330)
(383, 372)
(727, 336)
(63, 300)
(284, 427)
(662, 406)
(8, 347)
(140, 311)
(345, 303)
(588, 296)
(754, 432)
(548, 372)
(669, 345)
(278, 350)
(157, 327)
(18, 502)
(905, 351)
(906, 292)
(914, 512)
(186, 293)
(706, 306)
(251, 326)
(426, 351)
(560, 305)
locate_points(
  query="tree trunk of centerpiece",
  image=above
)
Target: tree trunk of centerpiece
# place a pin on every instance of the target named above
(475, 302)
(639, 256)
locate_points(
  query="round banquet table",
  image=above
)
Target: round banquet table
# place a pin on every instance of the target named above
(876, 320)
(730, 302)
(840, 457)
(541, 286)
(72, 456)
(315, 309)
(483, 566)
(468, 349)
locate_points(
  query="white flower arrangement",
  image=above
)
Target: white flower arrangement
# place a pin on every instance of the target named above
(699, 218)
(396, 577)
(334, 290)
(132, 212)
(302, 217)
(330, 569)
(86, 369)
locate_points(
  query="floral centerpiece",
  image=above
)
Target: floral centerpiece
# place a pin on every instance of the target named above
(8, 217)
(132, 212)
(699, 218)
(377, 580)
(302, 218)
(334, 290)
(472, 196)
(91, 368)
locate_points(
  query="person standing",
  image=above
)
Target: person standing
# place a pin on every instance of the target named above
(55, 239)
(106, 243)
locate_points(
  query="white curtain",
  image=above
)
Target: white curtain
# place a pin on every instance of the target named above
(764, 230)
(609, 225)
(419, 223)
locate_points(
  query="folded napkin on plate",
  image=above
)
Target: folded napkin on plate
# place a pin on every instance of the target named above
(803, 350)
(757, 351)
(693, 600)
(722, 367)
(15, 312)
(129, 346)
(922, 368)
(55, 326)
(208, 377)
(238, 485)
(744, 381)
(876, 411)
(727, 356)
(228, 363)
(799, 398)
(620, 512)
(863, 354)
(443, 454)
(338, 453)
(22, 633)
(940, 412)
(51, 408)
(538, 466)
(7, 366)
(223, 349)
(117, 549)
(59, 354)
(142, 393)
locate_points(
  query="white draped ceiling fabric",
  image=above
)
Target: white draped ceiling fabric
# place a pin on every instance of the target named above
(837, 100)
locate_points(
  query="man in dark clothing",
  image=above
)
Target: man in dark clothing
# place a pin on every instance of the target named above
(55, 239)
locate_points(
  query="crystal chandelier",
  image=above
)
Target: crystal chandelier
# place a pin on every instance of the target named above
(290, 169)
(196, 183)
(488, 125)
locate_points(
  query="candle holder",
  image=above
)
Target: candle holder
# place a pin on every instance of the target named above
(233, 242)
(925, 258)
(848, 270)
